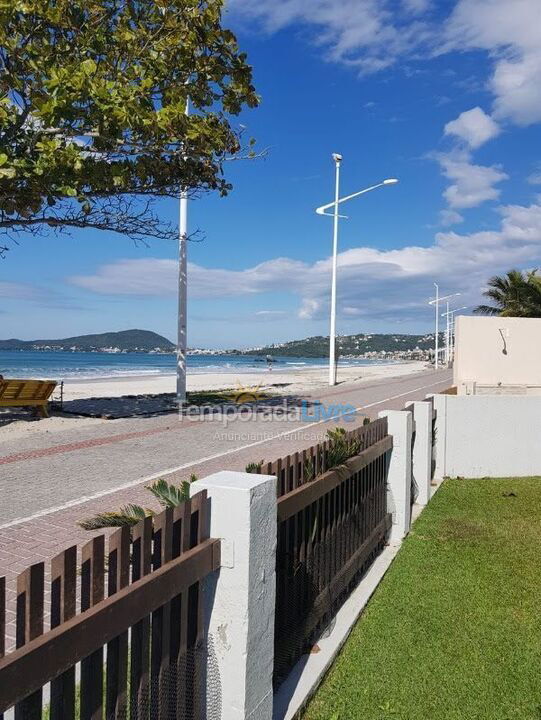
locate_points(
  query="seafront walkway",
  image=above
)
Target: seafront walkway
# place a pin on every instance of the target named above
(50, 480)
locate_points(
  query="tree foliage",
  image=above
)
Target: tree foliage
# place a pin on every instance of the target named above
(92, 110)
(515, 294)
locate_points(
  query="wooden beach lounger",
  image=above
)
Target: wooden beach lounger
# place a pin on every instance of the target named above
(26, 393)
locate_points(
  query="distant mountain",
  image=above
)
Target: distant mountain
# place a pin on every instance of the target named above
(353, 345)
(123, 341)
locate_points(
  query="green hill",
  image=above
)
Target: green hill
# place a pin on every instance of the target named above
(318, 346)
(125, 340)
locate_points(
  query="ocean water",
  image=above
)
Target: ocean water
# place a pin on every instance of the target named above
(86, 365)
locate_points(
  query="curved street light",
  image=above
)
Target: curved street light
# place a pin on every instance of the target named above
(322, 211)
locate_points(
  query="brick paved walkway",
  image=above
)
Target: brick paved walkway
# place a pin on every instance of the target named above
(48, 471)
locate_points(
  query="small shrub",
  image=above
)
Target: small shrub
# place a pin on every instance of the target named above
(340, 448)
(254, 467)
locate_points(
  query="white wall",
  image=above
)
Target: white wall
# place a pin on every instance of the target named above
(487, 436)
(494, 350)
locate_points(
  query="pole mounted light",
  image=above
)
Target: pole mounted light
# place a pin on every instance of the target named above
(450, 315)
(436, 303)
(322, 210)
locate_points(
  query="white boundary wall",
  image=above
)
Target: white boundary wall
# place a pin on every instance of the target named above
(488, 436)
(497, 352)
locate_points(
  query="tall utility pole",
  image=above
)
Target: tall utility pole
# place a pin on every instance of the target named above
(447, 338)
(332, 335)
(436, 302)
(437, 338)
(322, 211)
(450, 315)
(182, 338)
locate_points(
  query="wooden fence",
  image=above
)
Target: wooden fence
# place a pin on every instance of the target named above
(150, 625)
(301, 467)
(330, 529)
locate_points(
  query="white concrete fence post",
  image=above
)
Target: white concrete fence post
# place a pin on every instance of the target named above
(440, 440)
(239, 599)
(422, 450)
(399, 478)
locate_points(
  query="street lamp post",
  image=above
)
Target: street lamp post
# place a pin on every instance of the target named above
(332, 335)
(436, 303)
(322, 211)
(436, 348)
(450, 315)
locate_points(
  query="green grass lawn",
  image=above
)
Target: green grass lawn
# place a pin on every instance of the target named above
(454, 629)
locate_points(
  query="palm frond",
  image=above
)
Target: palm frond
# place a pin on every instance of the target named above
(515, 294)
(170, 496)
(128, 515)
(486, 310)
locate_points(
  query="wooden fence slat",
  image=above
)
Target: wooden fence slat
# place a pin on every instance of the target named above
(92, 592)
(140, 636)
(116, 701)
(199, 533)
(160, 659)
(63, 599)
(30, 598)
(180, 651)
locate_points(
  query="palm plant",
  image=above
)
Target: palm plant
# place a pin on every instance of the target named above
(515, 294)
(169, 496)
(340, 447)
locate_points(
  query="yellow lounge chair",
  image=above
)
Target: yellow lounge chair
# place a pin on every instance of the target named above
(26, 393)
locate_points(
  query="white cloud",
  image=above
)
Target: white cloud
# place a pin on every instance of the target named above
(370, 35)
(379, 284)
(471, 184)
(157, 277)
(511, 33)
(450, 217)
(535, 177)
(416, 6)
(18, 291)
(474, 127)
(375, 34)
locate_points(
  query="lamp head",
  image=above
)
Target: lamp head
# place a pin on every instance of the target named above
(390, 181)
(337, 158)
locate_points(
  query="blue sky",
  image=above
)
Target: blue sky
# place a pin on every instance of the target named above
(446, 96)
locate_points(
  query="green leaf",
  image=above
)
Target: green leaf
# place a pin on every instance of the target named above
(89, 66)
(170, 495)
(128, 515)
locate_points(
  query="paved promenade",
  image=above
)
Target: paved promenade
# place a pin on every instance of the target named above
(49, 481)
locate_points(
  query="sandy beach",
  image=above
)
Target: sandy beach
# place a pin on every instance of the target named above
(302, 382)
(298, 381)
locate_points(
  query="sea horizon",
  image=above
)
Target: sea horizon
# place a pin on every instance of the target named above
(68, 365)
